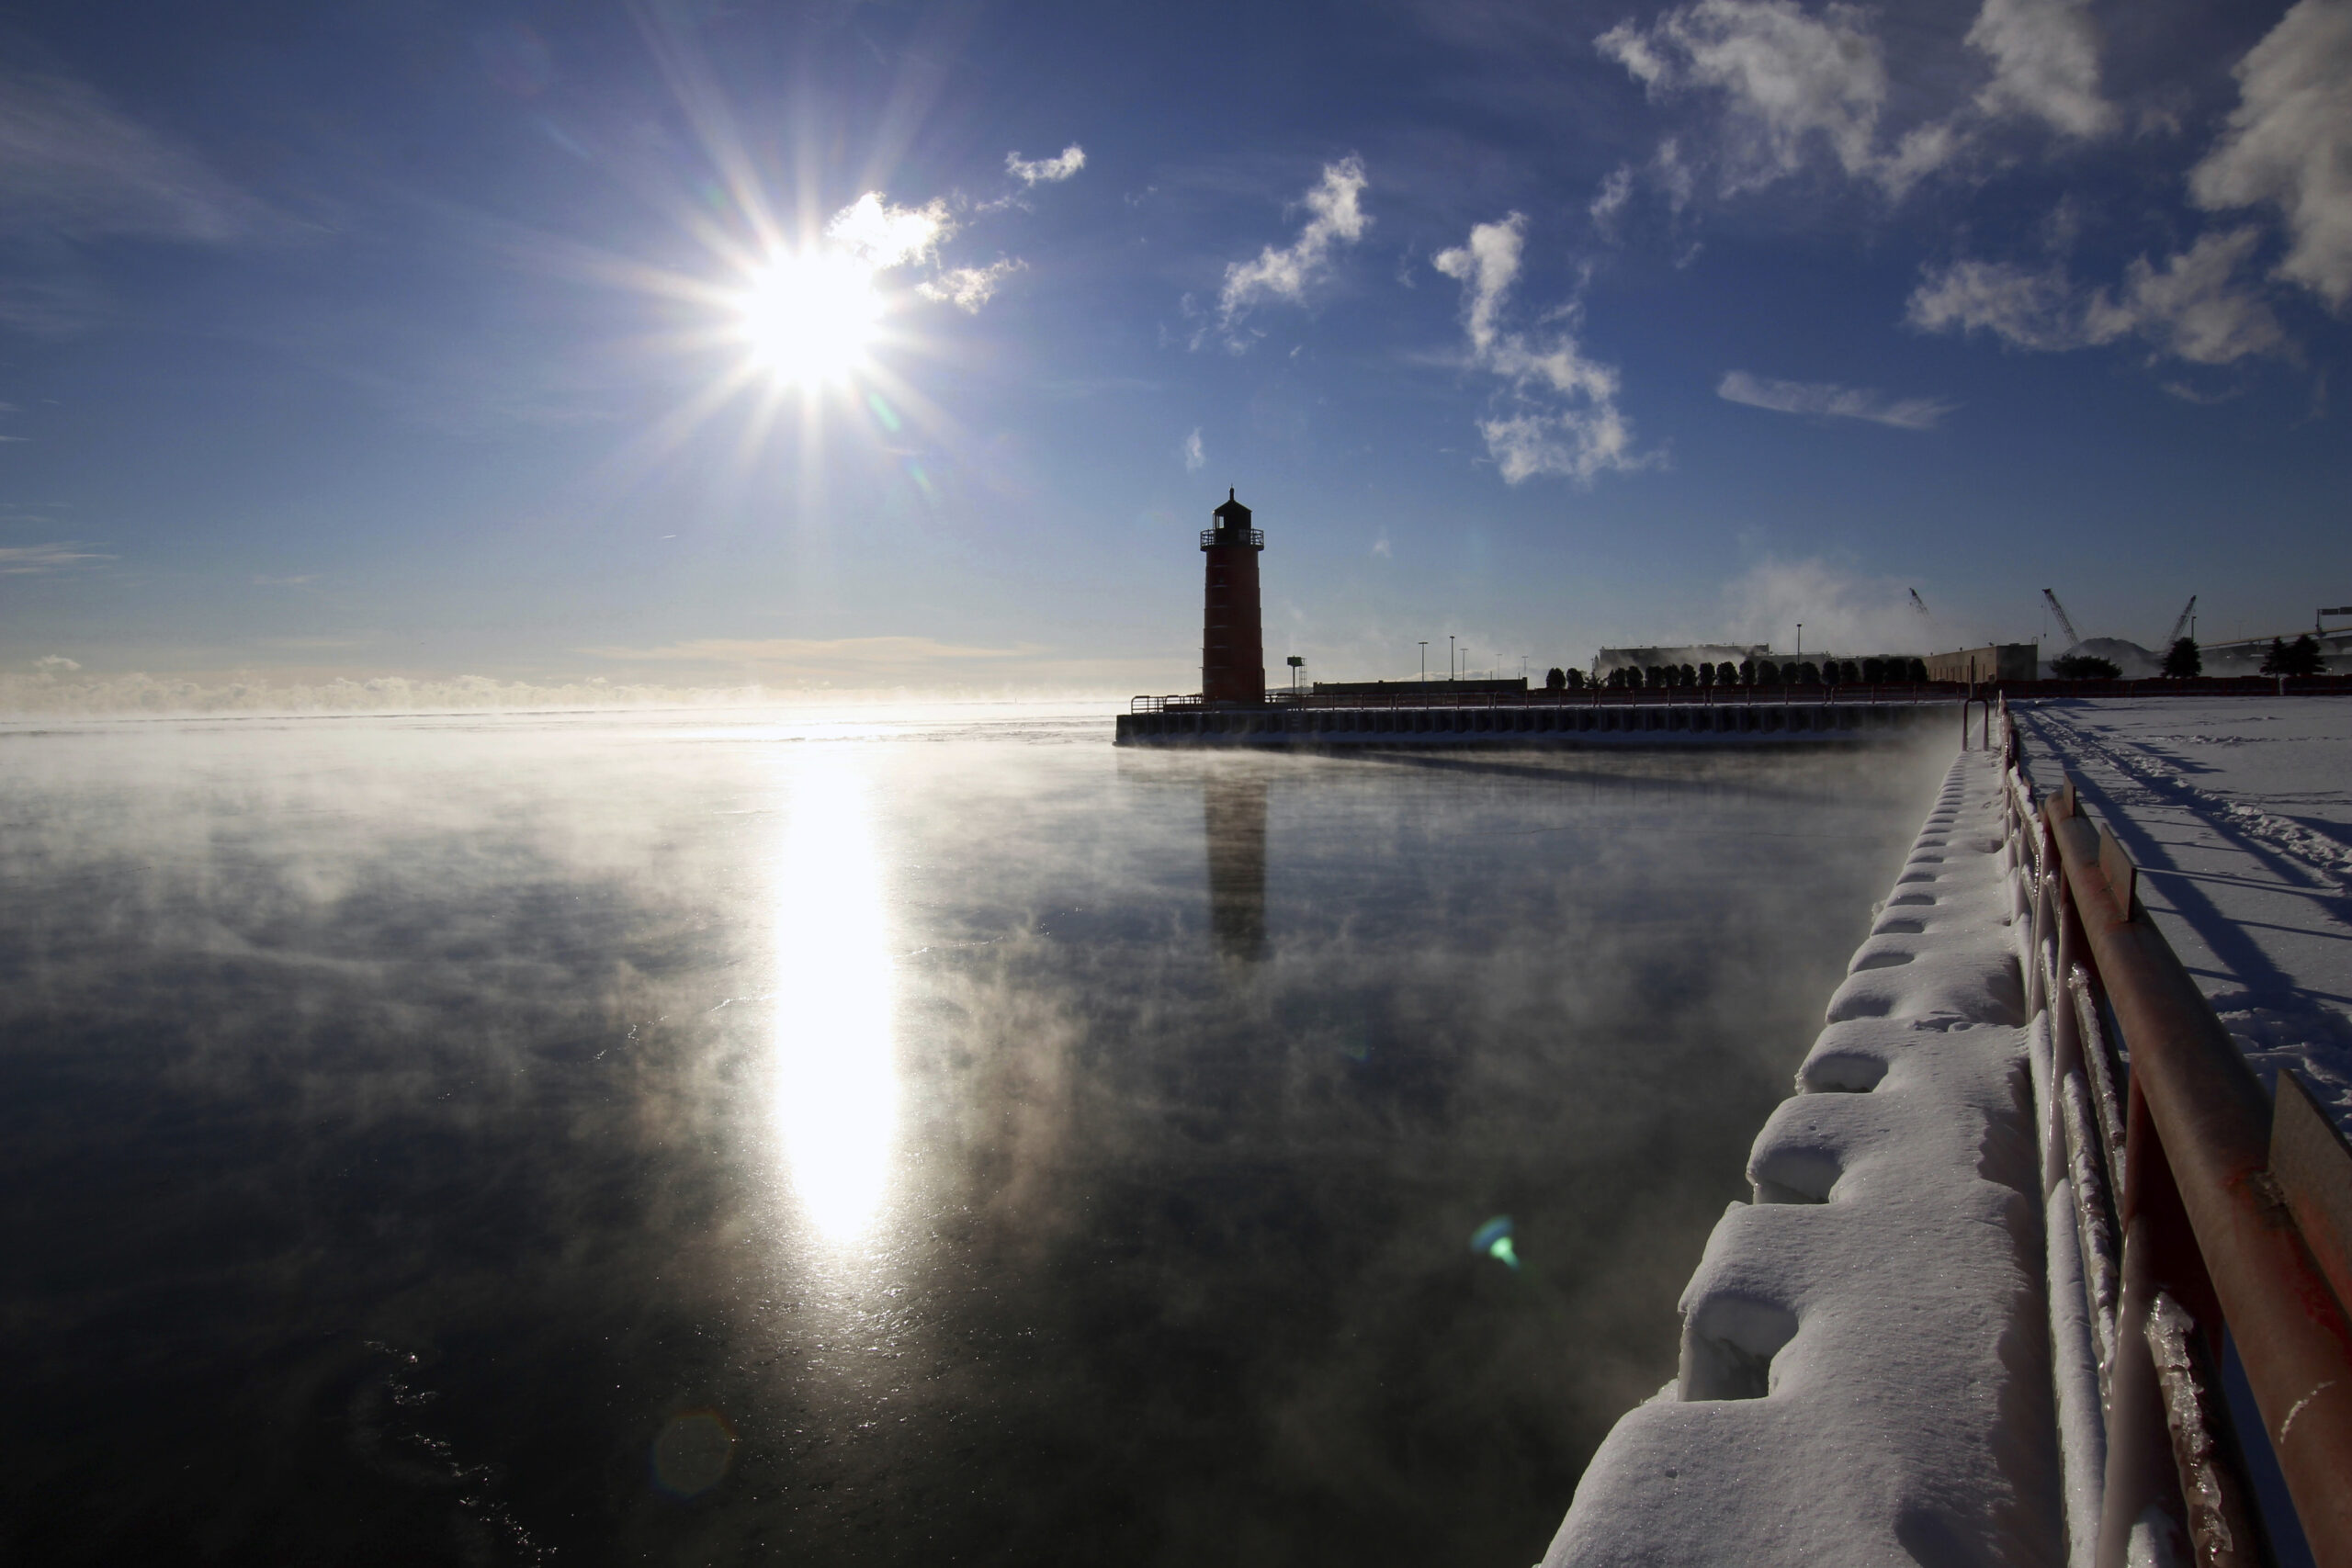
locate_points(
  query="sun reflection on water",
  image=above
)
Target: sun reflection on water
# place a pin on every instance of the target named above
(836, 1092)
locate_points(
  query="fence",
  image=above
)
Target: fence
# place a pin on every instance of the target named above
(2197, 1207)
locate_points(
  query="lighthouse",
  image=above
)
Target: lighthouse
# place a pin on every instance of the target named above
(1233, 654)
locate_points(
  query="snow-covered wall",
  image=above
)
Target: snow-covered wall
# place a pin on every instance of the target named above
(1866, 1367)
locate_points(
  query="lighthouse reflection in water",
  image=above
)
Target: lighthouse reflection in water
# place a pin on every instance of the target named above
(1234, 809)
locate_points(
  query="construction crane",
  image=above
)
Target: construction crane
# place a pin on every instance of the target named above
(2180, 626)
(2073, 638)
(1920, 604)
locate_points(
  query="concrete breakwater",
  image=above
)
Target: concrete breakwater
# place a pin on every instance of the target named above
(1570, 722)
(1866, 1373)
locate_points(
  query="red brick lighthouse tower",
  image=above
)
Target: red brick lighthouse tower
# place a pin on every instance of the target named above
(1233, 656)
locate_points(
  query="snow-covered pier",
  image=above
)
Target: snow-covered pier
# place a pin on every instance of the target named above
(1975, 1310)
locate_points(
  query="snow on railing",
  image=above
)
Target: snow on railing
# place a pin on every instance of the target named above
(2180, 1203)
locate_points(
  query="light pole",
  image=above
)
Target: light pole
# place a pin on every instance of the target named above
(1425, 663)
(1800, 639)
(1449, 657)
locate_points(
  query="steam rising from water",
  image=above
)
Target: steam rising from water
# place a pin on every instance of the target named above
(884, 1136)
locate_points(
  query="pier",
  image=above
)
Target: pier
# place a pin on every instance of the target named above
(1696, 716)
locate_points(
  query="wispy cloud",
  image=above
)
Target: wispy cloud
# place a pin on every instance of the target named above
(56, 664)
(1827, 400)
(2288, 144)
(26, 560)
(2191, 307)
(969, 288)
(1195, 455)
(1794, 83)
(73, 166)
(1557, 411)
(1046, 171)
(1285, 273)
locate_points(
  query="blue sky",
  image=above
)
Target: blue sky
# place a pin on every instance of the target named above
(363, 340)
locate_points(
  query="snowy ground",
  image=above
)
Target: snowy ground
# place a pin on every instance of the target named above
(2238, 812)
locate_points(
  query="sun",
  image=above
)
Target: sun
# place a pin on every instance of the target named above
(808, 318)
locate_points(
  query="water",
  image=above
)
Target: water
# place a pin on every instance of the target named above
(685, 1139)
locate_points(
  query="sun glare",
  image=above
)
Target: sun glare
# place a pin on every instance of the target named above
(809, 318)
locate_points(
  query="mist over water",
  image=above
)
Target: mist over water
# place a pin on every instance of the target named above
(615, 1138)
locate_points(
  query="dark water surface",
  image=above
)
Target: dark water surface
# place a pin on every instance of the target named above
(948, 1140)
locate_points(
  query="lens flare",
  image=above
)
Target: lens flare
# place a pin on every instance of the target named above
(1493, 1239)
(808, 318)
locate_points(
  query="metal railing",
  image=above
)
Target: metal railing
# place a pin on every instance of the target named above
(2198, 1207)
(1256, 539)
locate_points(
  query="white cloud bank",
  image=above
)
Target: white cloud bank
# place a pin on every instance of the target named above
(1283, 274)
(1827, 400)
(2288, 144)
(2191, 307)
(1046, 171)
(1559, 415)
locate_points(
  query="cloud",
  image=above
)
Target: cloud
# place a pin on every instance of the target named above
(72, 166)
(1046, 171)
(1789, 78)
(2045, 64)
(2190, 306)
(969, 288)
(1843, 613)
(2289, 143)
(1559, 413)
(56, 663)
(884, 236)
(1195, 457)
(1826, 400)
(1611, 198)
(28, 560)
(1286, 274)
(1794, 82)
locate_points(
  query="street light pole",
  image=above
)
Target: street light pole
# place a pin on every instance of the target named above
(1425, 663)
(1449, 659)
(1800, 639)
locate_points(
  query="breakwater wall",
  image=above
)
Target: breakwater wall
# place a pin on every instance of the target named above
(1865, 1373)
(1810, 719)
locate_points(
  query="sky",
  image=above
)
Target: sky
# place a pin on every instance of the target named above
(909, 346)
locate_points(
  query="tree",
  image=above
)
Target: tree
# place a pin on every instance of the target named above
(1809, 674)
(1556, 678)
(1830, 672)
(1726, 673)
(1576, 680)
(1767, 673)
(1849, 672)
(1706, 674)
(1873, 670)
(2086, 667)
(2183, 662)
(2300, 657)
(1746, 671)
(1689, 676)
(1918, 670)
